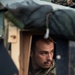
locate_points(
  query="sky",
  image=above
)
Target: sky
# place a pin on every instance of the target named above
(4, 2)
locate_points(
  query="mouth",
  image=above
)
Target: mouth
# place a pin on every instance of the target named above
(47, 63)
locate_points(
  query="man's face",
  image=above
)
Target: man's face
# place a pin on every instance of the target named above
(43, 55)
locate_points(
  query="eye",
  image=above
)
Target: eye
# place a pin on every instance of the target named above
(52, 51)
(43, 53)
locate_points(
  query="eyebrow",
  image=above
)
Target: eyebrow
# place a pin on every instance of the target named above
(46, 50)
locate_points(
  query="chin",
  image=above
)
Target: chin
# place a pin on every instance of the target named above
(46, 67)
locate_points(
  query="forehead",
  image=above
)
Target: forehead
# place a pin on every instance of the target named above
(44, 41)
(44, 45)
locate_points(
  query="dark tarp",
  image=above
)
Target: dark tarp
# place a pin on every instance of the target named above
(30, 16)
(7, 66)
(60, 22)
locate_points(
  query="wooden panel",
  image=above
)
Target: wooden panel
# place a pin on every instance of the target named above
(12, 33)
(21, 57)
(15, 50)
(25, 52)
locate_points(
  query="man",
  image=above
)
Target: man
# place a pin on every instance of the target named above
(42, 52)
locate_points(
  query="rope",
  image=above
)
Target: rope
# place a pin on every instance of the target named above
(47, 25)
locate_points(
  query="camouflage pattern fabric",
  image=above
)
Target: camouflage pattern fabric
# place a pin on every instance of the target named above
(50, 71)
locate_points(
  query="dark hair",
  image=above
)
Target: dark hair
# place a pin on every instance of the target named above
(35, 38)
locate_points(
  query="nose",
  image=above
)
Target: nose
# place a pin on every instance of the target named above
(49, 57)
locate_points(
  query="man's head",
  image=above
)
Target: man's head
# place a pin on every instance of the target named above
(42, 52)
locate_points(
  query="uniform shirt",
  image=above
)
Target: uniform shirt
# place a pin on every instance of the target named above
(50, 71)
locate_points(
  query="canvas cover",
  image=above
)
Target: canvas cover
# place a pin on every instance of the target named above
(60, 20)
(7, 66)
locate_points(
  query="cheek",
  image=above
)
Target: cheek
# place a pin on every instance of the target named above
(52, 55)
(40, 58)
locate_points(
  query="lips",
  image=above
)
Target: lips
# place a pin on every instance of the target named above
(47, 63)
